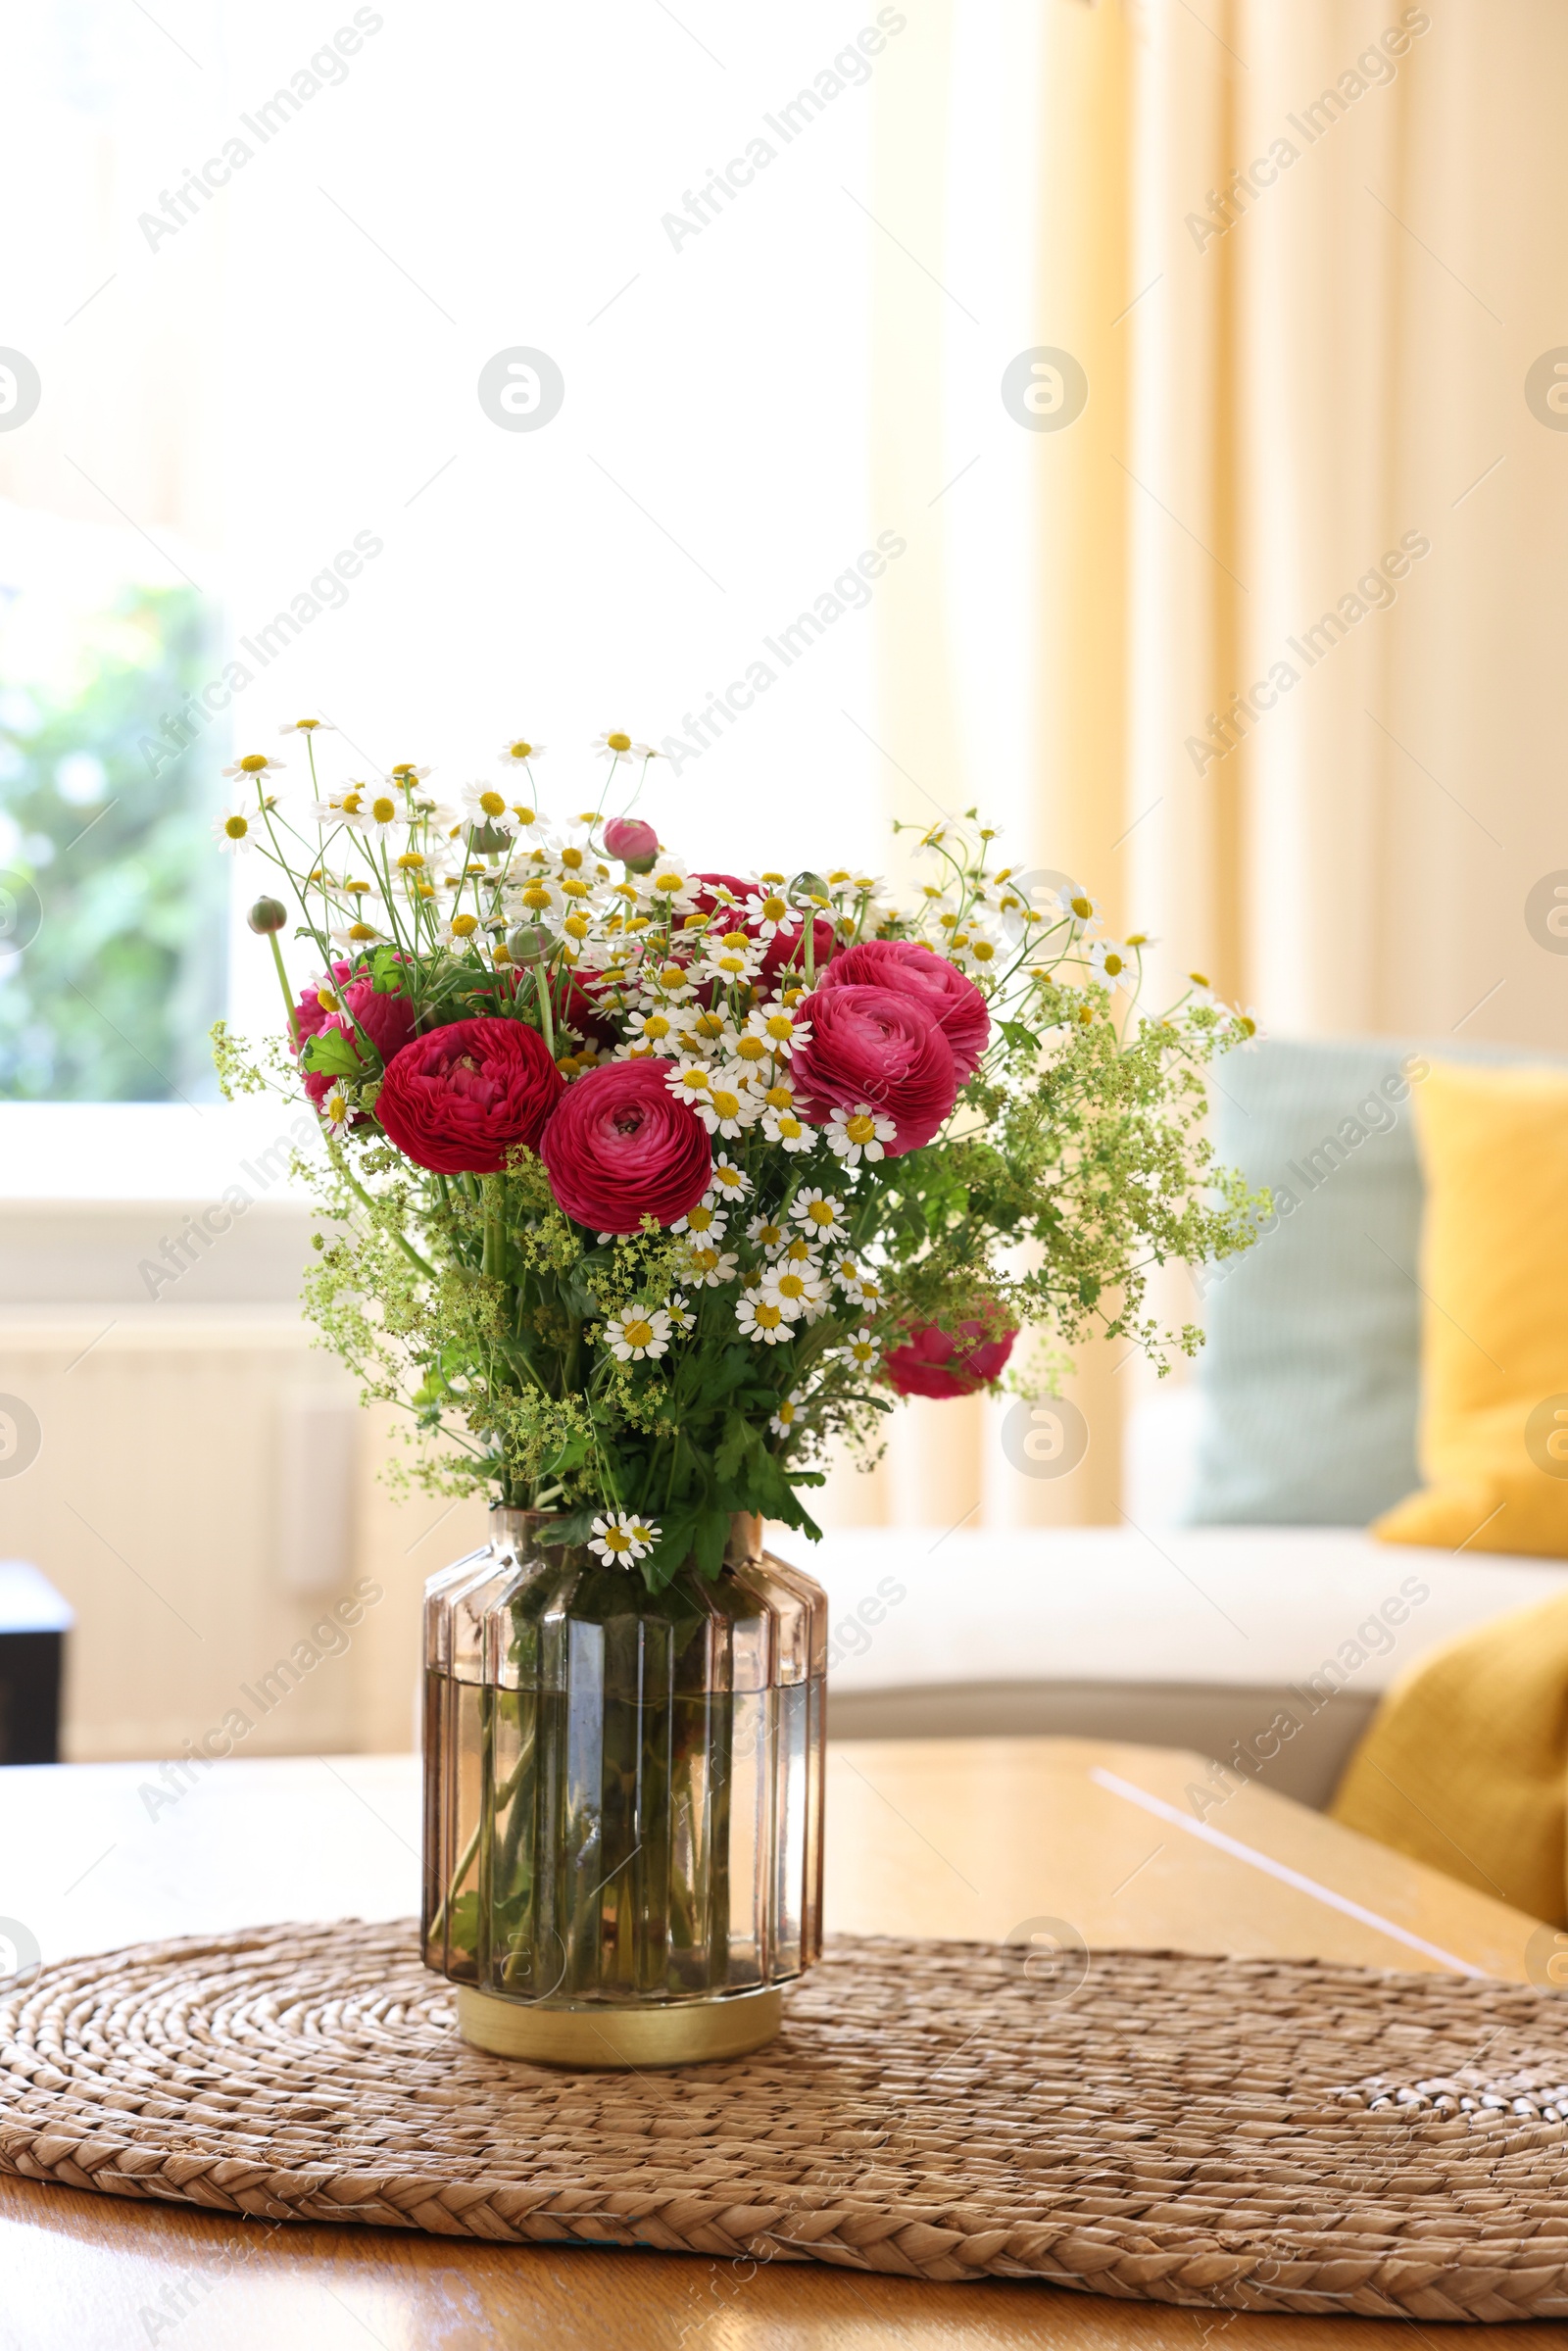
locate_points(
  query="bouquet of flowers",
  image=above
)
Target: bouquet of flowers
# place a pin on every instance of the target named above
(643, 1183)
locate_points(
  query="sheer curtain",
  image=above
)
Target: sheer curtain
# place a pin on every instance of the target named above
(1296, 587)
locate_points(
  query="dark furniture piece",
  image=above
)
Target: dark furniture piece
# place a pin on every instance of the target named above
(34, 1622)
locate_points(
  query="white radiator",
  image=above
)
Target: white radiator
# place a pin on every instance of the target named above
(204, 1494)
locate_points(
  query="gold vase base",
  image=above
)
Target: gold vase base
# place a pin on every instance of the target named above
(597, 2033)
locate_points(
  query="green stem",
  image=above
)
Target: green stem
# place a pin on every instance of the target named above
(288, 995)
(546, 1018)
(360, 1194)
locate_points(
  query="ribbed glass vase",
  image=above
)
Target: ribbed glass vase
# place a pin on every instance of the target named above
(623, 1797)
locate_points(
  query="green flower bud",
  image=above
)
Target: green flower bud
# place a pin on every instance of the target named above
(808, 886)
(530, 945)
(268, 914)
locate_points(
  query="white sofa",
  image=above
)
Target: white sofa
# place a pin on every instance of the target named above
(1199, 1638)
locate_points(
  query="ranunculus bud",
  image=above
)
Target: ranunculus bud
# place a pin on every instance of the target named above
(528, 945)
(807, 886)
(268, 914)
(620, 1146)
(635, 843)
(457, 1100)
(909, 969)
(947, 1363)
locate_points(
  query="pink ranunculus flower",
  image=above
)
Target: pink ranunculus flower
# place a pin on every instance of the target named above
(869, 1045)
(386, 1019)
(935, 1362)
(910, 968)
(634, 843)
(459, 1099)
(619, 1146)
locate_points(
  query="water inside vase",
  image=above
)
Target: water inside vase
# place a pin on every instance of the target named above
(605, 1842)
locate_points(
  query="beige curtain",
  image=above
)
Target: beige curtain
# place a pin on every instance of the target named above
(1307, 259)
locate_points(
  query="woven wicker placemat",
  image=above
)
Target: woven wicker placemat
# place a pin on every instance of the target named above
(1262, 2135)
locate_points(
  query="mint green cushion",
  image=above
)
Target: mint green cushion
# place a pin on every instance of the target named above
(1310, 1378)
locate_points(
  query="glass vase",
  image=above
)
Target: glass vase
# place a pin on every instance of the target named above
(622, 1797)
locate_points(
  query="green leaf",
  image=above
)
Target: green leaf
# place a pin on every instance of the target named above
(1018, 1033)
(332, 1052)
(574, 1527)
(712, 1534)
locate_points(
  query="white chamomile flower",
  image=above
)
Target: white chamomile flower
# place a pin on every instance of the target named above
(976, 951)
(253, 766)
(517, 754)
(358, 933)
(769, 915)
(705, 1219)
(377, 812)
(636, 1333)
(764, 1234)
(689, 1081)
(404, 775)
(671, 983)
(681, 1317)
(751, 1053)
(727, 1109)
(708, 1267)
(798, 1288)
(334, 1110)
(619, 1539)
(1251, 1029)
(308, 726)
(727, 1181)
(1202, 988)
(787, 1129)
(484, 804)
(820, 1212)
(1117, 965)
(1076, 905)
(670, 879)
(232, 832)
(866, 1291)
(778, 1028)
(860, 1134)
(459, 930)
(655, 1031)
(762, 1319)
(861, 1351)
(731, 959)
(614, 745)
(784, 1419)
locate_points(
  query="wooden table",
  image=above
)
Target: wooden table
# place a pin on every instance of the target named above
(951, 1838)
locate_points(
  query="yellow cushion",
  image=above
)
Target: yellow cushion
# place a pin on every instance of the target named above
(1493, 1450)
(1466, 1763)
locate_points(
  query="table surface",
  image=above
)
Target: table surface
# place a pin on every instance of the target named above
(970, 1837)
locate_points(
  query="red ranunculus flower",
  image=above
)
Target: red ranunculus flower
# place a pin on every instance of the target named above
(459, 1099)
(871, 1046)
(387, 1020)
(909, 969)
(955, 1362)
(779, 951)
(619, 1148)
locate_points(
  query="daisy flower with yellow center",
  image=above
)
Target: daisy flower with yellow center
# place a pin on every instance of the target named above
(690, 1081)
(708, 1267)
(620, 1539)
(764, 1233)
(711, 1222)
(727, 1107)
(862, 1351)
(777, 1028)
(860, 1133)
(770, 917)
(255, 764)
(785, 1418)
(232, 832)
(762, 1319)
(519, 753)
(308, 726)
(793, 1287)
(820, 1211)
(637, 1333)
(727, 1181)
(786, 1129)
